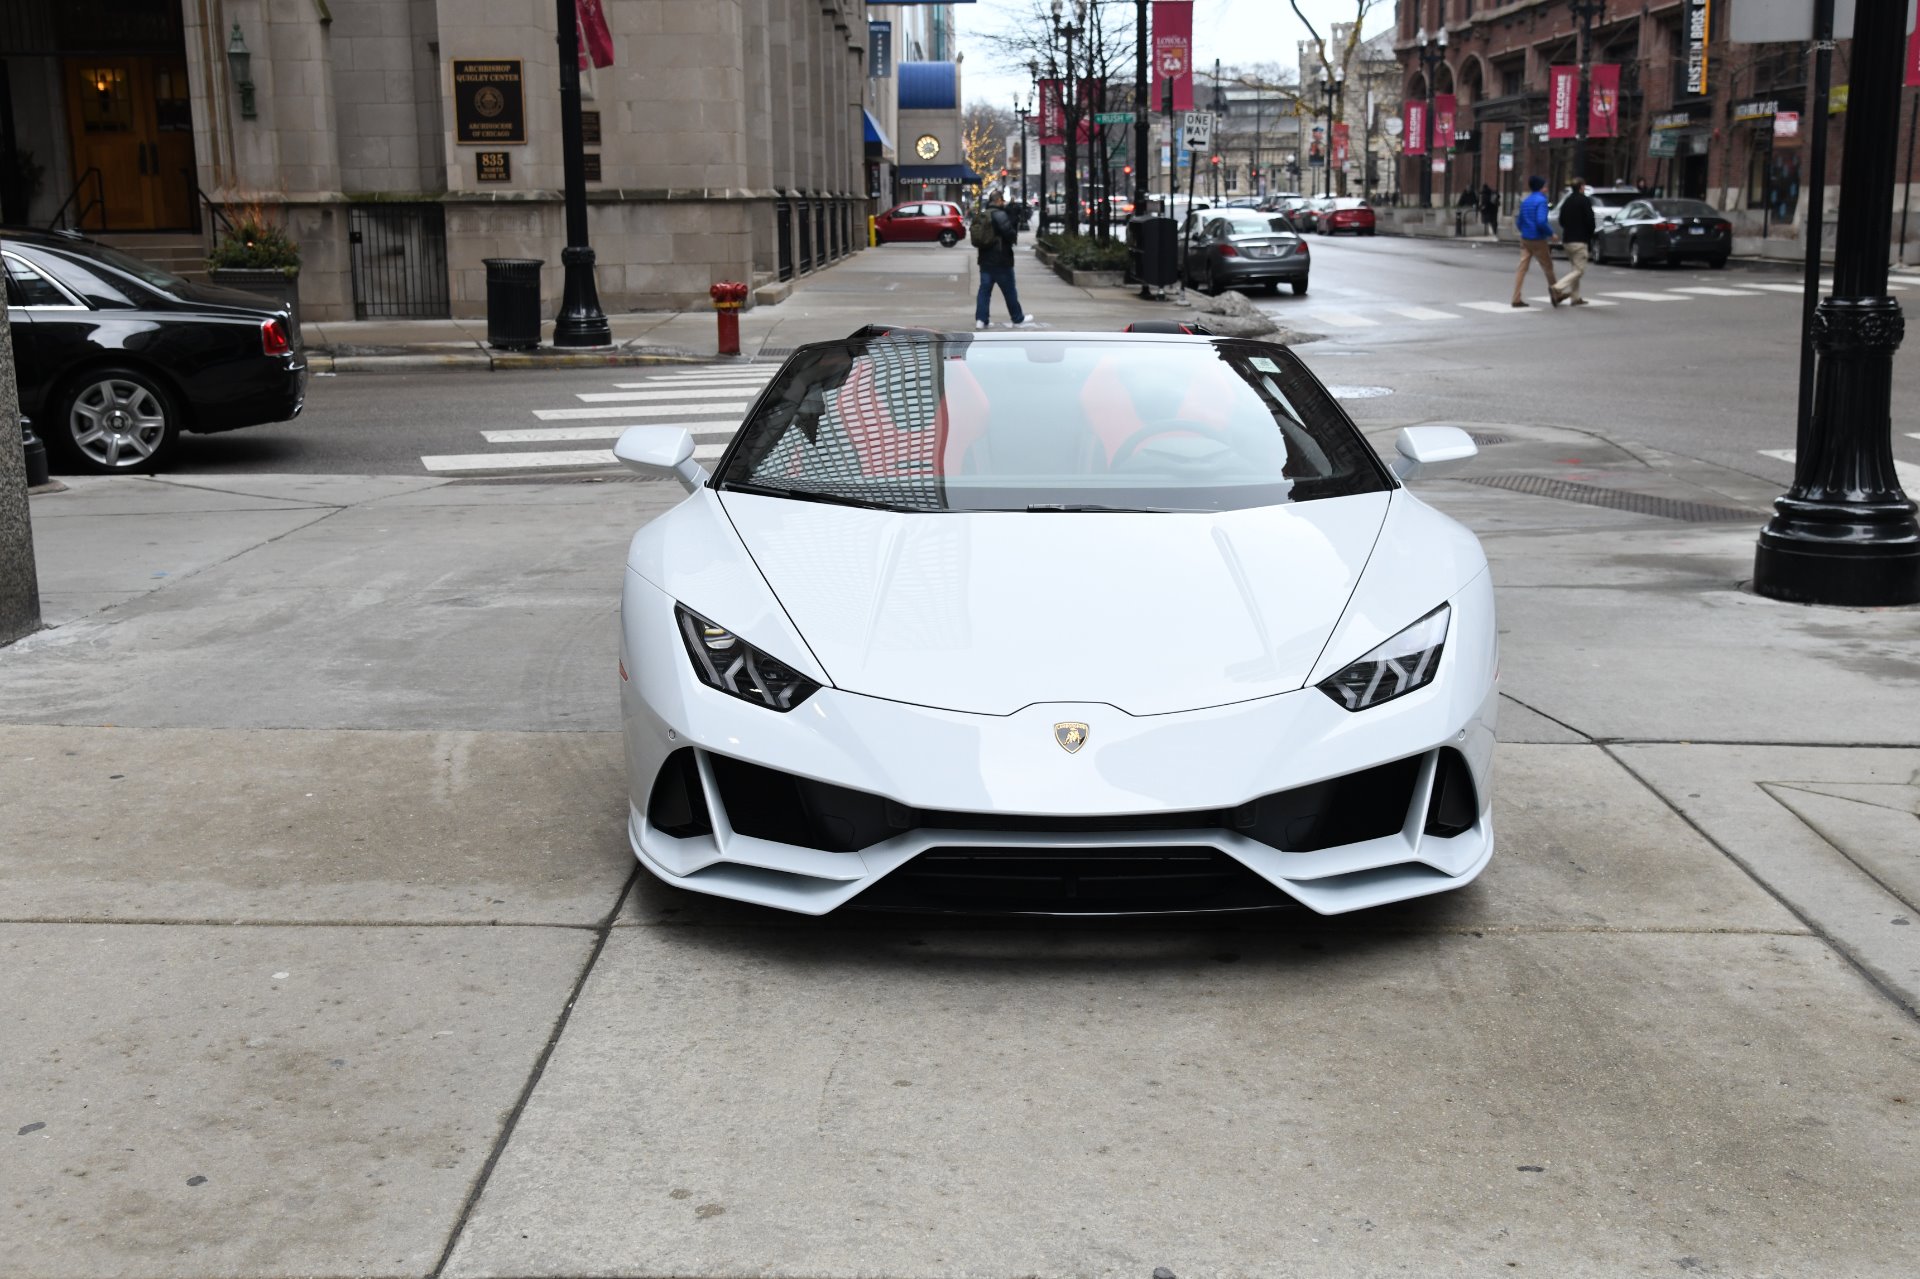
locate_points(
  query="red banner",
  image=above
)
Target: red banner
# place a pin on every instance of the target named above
(1563, 95)
(596, 42)
(1053, 115)
(1443, 109)
(1173, 53)
(1913, 57)
(1416, 130)
(1090, 91)
(1603, 105)
(1341, 136)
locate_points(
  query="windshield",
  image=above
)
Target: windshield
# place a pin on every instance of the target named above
(1244, 224)
(145, 272)
(1685, 209)
(1049, 424)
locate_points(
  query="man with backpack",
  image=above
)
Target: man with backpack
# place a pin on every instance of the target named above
(993, 233)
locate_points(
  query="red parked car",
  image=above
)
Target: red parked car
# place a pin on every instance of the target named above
(1346, 213)
(921, 220)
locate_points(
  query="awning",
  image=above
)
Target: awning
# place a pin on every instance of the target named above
(874, 132)
(935, 173)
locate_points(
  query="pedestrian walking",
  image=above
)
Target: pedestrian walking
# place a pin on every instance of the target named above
(1536, 239)
(994, 235)
(1489, 209)
(1576, 232)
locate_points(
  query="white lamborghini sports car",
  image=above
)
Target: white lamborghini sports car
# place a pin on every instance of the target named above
(1067, 623)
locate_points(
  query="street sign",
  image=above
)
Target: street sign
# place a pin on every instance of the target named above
(1506, 162)
(1113, 117)
(1197, 129)
(1393, 124)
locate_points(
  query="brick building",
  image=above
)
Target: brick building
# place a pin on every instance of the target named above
(1721, 145)
(727, 140)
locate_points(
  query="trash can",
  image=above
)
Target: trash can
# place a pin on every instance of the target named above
(513, 303)
(1151, 241)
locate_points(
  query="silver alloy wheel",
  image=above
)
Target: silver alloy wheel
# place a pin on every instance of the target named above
(117, 423)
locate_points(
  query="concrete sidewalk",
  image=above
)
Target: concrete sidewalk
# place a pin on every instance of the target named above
(326, 955)
(920, 284)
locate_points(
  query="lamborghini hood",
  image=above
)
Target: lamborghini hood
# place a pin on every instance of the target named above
(992, 611)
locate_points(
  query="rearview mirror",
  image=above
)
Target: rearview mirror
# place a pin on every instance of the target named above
(1425, 446)
(660, 452)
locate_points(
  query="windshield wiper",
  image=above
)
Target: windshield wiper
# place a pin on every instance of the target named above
(813, 495)
(1094, 508)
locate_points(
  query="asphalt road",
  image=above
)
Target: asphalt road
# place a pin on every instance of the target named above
(1421, 326)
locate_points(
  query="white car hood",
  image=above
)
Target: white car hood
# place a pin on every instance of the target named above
(989, 612)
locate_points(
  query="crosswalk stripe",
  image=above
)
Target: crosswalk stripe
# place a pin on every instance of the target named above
(1907, 472)
(1343, 320)
(1714, 291)
(1424, 313)
(1913, 435)
(726, 375)
(1645, 297)
(553, 461)
(636, 410)
(661, 393)
(1492, 308)
(570, 434)
(1781, 288)
(745, 383)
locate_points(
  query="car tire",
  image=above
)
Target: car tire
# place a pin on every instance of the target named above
(1718, 264)
(948, 239)
(1368, 231)
(1299, 288)
(1634, 259)
(1270, 288)
(90, 437)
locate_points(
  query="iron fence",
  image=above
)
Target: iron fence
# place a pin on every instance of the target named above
(398, 254)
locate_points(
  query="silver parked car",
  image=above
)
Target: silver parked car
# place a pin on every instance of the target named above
(1242, 248)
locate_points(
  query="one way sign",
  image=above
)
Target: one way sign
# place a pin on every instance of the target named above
(1197, 130)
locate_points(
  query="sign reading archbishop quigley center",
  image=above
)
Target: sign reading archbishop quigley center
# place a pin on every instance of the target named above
(489, 104)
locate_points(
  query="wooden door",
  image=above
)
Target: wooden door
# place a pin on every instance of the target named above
(129, 119)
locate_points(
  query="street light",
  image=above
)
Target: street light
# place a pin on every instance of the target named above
(240, 65)
(1021, 113)
(1584, 12)
(1433, 51)
(581, 322)
(1040, 131)
(1332, 89)
(1067, 31)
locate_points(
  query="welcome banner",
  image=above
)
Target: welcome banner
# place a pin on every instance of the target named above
(1053, 115)
(1563, 93)
(1416, 132)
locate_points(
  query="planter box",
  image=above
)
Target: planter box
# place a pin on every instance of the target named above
(1095, 279)
(276, 287)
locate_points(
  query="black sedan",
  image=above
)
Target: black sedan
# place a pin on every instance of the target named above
(1241, 248)
(1650, 231)
(116, 357)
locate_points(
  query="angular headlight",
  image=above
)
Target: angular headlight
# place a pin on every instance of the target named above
(1407, 661)
(725, 661)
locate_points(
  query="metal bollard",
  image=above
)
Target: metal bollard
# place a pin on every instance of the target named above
(728, 295)
(36, 450)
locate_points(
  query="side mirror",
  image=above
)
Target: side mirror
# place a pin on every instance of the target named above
(660, 451)
(1424, 446)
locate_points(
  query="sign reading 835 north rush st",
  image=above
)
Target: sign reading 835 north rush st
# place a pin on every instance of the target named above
(489, 103)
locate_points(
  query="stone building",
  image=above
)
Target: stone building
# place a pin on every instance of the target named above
(403, 141)
(913, 91)
(1367, 77)
(1739, 144)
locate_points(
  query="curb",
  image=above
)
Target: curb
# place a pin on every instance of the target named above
(504, 361)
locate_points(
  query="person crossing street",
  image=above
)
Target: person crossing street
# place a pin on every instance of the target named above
(1576, 232)
(1536, 239)
(994, 234)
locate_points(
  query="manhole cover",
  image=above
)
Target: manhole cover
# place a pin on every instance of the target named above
(1666, 508)
(1359, 392)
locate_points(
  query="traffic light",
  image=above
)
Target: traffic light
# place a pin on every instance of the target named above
(1127, 170)
(1215, 162)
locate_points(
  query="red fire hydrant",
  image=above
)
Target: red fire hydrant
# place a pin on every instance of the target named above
(728, 296)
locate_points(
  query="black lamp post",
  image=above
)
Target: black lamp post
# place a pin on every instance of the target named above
(1584, 12)
(1433, 51)
(1033, 70)
(1332, 89)
(1845, 533)
(1141, 109)
(1068, 100)
(1021, 113)
(581, 322)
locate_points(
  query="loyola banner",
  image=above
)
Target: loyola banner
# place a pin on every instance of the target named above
(1173, 53)
(1443, 109)
(1603, 106)
(1342, 138)
(596, 42)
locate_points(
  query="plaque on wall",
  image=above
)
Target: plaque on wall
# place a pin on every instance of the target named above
(489, 103)
(593, 165)
(590, 128)
(493, 166)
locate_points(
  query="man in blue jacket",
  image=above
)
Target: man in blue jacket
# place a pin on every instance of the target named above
(1536, 239)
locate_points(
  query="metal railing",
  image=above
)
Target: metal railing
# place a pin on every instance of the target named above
(97, 202)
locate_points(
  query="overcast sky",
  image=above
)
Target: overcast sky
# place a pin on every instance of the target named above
(1231, 30)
